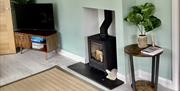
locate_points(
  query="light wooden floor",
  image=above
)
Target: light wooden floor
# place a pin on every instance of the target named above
(17, 66)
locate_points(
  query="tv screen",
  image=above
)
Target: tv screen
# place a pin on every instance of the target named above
(34, 17)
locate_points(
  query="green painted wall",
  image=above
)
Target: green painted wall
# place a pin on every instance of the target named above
(69, 20)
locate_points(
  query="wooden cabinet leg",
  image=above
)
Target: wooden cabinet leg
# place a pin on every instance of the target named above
(46, 56)
(56, 51)
(21, 49)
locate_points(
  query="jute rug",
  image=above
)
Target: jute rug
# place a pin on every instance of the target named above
(54, 79)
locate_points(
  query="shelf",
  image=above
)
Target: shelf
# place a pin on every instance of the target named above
(41, 33)
(143, 85)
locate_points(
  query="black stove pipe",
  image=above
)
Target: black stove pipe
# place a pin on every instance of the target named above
(106, 23)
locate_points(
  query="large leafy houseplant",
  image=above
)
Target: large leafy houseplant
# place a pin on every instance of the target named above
(143, 17)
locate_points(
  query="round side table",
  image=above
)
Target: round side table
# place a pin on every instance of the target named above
(134, 50)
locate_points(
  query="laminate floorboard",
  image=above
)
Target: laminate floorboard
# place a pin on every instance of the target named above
(17, 66)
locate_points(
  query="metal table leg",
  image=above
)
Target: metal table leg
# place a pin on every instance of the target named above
(153, 69)
(157, 72)
(132, 73)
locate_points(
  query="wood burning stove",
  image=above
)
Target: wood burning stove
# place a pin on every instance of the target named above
(102, 52)
(102, 47)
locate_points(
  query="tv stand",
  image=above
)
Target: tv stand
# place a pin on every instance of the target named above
(23, 40)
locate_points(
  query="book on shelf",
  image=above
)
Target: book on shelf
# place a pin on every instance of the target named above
(37, 39)
(152, 50)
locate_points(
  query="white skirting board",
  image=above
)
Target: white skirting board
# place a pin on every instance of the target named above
(121, 77)
(139, 74)
(142, 75)
(72, 56)
(163, 81)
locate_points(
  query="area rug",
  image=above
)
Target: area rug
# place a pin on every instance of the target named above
(53, 79)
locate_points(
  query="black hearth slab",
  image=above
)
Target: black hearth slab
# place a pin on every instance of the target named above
(95, 75)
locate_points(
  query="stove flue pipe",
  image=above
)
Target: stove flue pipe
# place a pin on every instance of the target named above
(106, 23)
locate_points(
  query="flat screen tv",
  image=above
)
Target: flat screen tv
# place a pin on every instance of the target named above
(34, 17)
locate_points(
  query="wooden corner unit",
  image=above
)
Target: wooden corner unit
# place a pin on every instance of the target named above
(23, 40)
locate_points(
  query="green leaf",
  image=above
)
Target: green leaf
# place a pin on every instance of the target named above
(138, 18)
(147, 25)
(155, 21)
(136, 9)
(148, 10)
(134, 18)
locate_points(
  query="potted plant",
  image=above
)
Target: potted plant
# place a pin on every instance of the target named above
(143, 17)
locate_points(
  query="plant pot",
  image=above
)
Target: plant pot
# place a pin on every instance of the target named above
(142, 41)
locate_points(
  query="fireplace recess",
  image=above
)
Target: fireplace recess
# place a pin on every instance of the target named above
(101, 49)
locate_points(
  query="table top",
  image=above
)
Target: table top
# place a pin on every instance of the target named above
(134, 50)
(37, 32)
